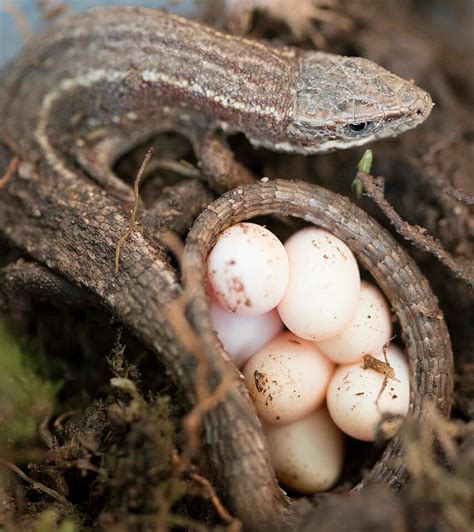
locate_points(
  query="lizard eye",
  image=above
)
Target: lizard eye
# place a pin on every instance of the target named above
(355, 130)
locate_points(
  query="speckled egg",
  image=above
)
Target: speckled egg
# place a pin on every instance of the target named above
(308, 454)
(287, 378)
(368, 331)
(323, 291)
(357, 396)
(242, 336)
(248, 270)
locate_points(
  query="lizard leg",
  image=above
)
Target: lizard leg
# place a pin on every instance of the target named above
(219, 165)
(177, 207)
(223, 172)
(30, 278)
(99, 168)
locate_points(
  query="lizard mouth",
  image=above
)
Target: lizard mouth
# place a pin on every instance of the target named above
(415, 107)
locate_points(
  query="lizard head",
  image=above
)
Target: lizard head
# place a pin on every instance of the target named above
(341, 102)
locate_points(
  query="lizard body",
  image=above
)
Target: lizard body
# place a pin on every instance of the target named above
(97, 82)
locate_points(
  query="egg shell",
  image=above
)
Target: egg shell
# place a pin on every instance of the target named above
(323, 291)
(353, 391)
(307, 455)
(242, 336)
(248, 270)
(368, 331)
(287, 378)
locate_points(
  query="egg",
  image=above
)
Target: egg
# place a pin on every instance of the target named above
(323, 290)
(308, 454)
(242, 336)
(287, 378)
(357, 398)
(248, 270)
(368, 331)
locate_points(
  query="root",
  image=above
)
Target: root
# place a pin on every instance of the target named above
(11, 170)
(38, 485)
(373, 188)
(133, 219)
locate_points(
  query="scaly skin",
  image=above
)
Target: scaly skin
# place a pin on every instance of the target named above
(98, 84)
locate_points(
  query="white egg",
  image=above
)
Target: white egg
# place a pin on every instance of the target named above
(248, 270)
(308, 454)
(242, 336)
(355, 399)
(323, 290)
(287, 378)
(368, 331)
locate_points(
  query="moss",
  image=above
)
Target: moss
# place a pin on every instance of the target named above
(25, 398)
(50, 521)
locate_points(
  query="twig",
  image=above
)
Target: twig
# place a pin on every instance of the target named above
(384, 368)
(429, 162)
(22, 23)
(457, 194)
(449, 489)
(389, 373)
(37, 485)
(133, 219)
(441, 427)
(51, 10)
(415, 234)
(207, 402)
(12, 167)
(234, 524)
(58, 422)
(45, 433)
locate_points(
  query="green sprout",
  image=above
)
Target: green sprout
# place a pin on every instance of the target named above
(364, 166)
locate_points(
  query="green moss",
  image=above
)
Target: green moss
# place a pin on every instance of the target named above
(50, 521)
(25, 398)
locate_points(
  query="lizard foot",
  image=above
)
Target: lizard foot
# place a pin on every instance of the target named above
(177, 207)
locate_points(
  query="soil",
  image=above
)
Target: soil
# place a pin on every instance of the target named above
(105, 454)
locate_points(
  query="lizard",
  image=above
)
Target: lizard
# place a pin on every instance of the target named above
(101, 82)
(98, 80)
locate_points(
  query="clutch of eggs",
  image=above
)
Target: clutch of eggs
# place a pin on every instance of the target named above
(312, 341)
